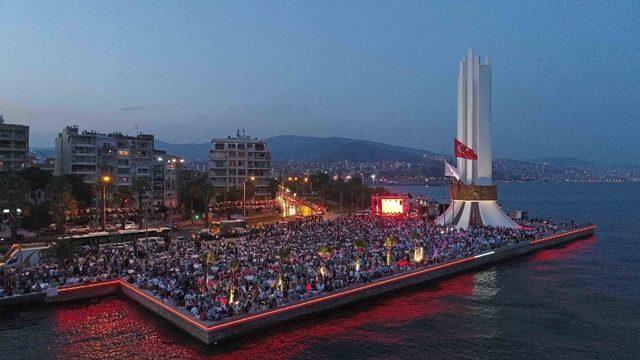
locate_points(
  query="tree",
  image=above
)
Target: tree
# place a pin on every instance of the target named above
(234, 265)
(62, 252)
(188, 191)
(207, 193)
(35, 180)
(389, 243)
(207, 258)
(273, 187)
(63, 203)
(284, 254)
(139, 187)
(360, 245)
(38, 217)
(122, 195)
(13, 191)
(82, 191)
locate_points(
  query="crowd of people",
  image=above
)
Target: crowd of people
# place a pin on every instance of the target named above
(257, 205)
(272, 265)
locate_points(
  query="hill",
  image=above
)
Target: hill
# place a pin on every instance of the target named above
(307, 148)
(191, 152)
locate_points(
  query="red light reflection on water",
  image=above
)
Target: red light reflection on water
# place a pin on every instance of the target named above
(565, 252)
(115, 328)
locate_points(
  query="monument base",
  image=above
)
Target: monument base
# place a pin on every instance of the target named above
(466, 213)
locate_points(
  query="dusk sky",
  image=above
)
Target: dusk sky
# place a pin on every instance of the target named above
(566, 75)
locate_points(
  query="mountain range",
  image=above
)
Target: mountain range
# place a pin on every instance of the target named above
(330, 149)
(307, 148)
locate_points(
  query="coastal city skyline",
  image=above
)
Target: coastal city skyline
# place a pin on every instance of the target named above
(329, 180)
(201, 74)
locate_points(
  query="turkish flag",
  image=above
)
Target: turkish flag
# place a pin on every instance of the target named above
(462, 151)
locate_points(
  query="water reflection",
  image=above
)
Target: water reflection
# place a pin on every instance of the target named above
(116, 328)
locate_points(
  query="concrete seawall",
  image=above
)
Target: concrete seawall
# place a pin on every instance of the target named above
(211, 333)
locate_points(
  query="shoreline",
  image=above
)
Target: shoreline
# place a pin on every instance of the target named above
(212, 333)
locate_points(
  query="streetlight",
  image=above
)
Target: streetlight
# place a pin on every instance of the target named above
(373, 180)
(306, 180)
(348, 178)
(104, 180)
(244, 196)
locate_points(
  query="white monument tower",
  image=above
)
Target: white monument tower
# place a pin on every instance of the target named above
(474, 198)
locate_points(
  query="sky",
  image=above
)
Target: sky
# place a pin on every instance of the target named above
(566, 74)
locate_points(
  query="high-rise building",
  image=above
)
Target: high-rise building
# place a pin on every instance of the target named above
(14, 146)
(234, 160)
(90, 154)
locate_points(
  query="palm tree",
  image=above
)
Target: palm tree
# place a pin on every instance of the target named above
(62, 252)
(207, 258)
(207, 193)
(418, 250)
(283, 254)
(140, 186)
(360, 246)
(325, 252)
(389, 243)
(63, 203)
(234, 266)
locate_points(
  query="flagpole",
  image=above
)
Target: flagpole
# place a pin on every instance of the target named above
(453, 205)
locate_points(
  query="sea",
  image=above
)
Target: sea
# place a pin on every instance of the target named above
(577, 301)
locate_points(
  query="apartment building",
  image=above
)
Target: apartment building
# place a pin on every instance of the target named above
(14, 146)
(233, 160)
(90, 154)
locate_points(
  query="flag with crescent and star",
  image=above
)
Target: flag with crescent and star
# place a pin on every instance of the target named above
(463, 151)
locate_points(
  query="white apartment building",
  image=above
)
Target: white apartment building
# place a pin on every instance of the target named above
(90, 154)
(14, 146)
(233, 160)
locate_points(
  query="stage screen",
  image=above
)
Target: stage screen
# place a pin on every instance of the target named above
(391, 206)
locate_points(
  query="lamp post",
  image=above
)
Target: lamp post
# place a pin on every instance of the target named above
(244, 196)
(363, 190)
(348, 178)
(104, 180)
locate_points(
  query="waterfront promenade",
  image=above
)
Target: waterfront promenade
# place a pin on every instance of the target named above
(213, 332)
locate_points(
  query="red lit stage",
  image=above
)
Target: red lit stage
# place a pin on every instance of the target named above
(389, 205)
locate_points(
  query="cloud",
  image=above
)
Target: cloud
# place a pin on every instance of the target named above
(131, 108)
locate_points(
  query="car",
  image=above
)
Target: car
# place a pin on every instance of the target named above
(176, 227)
(128, 225)
(80, 230)
(182, 238)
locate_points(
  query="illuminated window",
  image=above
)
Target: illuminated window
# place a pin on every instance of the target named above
(123, 153)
